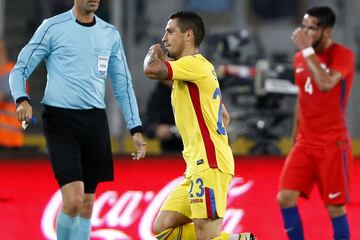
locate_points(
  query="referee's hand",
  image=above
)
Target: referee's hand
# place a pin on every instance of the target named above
(24, 111)
(140, 146)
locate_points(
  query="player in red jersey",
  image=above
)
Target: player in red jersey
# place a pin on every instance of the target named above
(321, 154)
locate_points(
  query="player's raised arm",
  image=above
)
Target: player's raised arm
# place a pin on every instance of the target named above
(324, 80)
(303, 39)
(154, 64)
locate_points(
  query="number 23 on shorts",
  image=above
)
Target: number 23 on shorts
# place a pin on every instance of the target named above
(198, 189)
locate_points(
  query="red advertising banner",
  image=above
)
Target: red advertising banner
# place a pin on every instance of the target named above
(126, 208)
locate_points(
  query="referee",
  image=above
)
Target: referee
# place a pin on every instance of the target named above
(80, 51)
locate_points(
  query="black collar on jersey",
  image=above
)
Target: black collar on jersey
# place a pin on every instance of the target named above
(90, 24)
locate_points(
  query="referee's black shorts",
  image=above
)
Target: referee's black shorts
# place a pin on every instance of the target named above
(78, 142)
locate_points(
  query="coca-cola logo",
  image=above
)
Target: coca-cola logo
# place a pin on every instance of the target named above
(130, 215)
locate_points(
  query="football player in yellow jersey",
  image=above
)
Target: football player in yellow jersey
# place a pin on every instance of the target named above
(195, 209)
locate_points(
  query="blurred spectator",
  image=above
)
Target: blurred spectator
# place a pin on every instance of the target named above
(209, 5)
(57, 7)
(264, 10)
(159, 119)
(11, 134)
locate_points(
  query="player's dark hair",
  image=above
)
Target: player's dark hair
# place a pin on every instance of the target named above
(190, 20)
(325, 15)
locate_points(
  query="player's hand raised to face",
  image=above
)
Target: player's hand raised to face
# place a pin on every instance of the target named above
(300, 39)
(156, 48)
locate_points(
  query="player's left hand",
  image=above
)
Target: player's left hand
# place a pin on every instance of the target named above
(140, 146)
(300, 39)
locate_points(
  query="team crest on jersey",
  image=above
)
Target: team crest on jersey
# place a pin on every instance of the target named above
(199, 162)
(103, 64)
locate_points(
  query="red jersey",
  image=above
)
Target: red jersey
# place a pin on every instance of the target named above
(322, 115)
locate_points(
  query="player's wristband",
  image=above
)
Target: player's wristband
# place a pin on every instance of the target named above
(308, 52)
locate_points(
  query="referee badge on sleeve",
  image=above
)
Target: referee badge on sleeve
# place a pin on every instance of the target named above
(103, 64)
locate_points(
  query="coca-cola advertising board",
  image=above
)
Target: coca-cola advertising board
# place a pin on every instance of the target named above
(126, 208)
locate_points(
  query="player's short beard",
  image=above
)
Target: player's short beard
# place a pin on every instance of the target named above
(171, 55)
(318, 42)
(91, 9)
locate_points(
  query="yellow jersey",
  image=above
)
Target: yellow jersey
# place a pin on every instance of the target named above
(197, 106)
